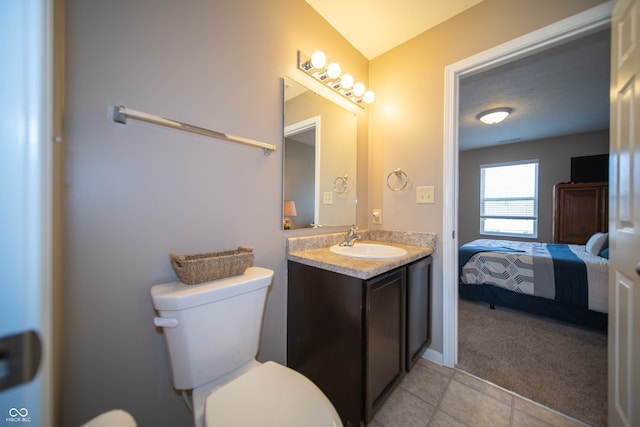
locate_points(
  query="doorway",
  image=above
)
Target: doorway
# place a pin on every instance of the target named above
(302, 169)
(591, 20)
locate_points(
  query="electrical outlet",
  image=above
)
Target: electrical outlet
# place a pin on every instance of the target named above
(327, 198)
(377, 216)
(425, 194)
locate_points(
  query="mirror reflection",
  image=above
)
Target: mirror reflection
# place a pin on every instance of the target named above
(320, 149)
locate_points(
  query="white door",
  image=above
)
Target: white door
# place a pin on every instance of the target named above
(624, 219)
(25, 212)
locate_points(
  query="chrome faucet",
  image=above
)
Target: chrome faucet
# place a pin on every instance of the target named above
(351, 237)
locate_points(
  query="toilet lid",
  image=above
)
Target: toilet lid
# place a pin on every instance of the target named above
(270, 395)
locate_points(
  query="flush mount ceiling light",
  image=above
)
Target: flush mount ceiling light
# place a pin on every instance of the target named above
(330, 76)
(495, 116)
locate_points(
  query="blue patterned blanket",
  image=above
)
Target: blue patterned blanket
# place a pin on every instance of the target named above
(570, 274)
(467, 251)
(550, 271)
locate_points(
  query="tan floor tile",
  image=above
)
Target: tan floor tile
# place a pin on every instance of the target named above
(443, 370)
(442, 419)
(473, 407)
(483, 387)
(522, 419)
(404, 409)
(464, 401)
(426, 383)
(541, 413)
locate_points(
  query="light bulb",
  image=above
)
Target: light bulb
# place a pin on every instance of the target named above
(495, 116)
(358, 89)
(333, 70)
(318, 59)
(368, 97)
(346, 81)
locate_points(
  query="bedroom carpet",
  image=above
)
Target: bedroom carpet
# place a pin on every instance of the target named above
(559, 365)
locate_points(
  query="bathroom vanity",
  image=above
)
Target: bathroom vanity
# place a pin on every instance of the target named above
(356, 326)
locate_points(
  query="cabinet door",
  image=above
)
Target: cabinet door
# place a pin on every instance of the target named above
(324, 335)
(579, 211)
(418, 309)
(385, 337)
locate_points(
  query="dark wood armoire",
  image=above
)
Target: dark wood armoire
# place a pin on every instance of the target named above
(579, 210)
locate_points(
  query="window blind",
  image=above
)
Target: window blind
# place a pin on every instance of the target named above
(508, 198)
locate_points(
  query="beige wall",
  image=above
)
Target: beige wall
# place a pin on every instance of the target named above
(407, 119)
(135, 193)
(554, 155)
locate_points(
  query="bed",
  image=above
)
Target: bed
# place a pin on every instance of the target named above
(563, 281)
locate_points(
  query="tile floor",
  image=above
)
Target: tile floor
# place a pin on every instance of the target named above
(434, 396)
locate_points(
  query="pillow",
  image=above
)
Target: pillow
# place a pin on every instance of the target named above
(596, 243)
(604, 253)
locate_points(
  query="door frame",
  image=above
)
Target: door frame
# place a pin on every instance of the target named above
(299, 127)
(26, 162)
(583, 23)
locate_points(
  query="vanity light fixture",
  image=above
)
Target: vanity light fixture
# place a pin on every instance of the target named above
(494, 116)
(314, 66)
(318, 59)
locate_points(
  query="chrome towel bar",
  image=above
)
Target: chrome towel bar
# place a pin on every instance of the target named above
(121, 113)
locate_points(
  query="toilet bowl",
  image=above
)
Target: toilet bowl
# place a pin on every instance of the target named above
(113, 418)
(270, 395)
(212, 332)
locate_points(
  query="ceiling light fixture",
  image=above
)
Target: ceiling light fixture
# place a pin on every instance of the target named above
(329, 76)
(494, 116)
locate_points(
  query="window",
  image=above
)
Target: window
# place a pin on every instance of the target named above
(509, 199)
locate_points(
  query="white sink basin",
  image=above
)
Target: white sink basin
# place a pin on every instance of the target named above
(368, 250)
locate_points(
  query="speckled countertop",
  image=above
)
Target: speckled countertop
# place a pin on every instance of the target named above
(314, 251)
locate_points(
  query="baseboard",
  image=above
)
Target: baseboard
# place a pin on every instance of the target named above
(433, 356)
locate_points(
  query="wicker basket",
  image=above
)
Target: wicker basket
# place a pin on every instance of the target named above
(198, 268)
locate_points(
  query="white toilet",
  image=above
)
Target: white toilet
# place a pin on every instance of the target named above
(212, 332)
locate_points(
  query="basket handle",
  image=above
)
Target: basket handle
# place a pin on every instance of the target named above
(176, 261)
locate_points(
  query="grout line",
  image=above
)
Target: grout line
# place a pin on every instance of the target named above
(441, 395)
(512, 405)
(533, 402)
(440, 399)
(512, 413)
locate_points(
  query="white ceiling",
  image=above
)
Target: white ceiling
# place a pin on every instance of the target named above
(375, 26)
(561, 91)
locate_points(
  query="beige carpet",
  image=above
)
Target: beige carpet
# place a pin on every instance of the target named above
(559, 365)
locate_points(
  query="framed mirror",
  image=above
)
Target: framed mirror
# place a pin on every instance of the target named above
(320, 156)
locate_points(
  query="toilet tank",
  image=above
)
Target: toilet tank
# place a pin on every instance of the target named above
(211, 328)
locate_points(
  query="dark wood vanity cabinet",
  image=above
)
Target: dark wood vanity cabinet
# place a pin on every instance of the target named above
(350, 336)
(418, 309)
(384, 337)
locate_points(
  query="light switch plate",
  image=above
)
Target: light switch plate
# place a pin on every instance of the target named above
(327, 198)
(425, 194)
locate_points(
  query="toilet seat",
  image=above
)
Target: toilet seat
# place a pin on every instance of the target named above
(270, 395)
